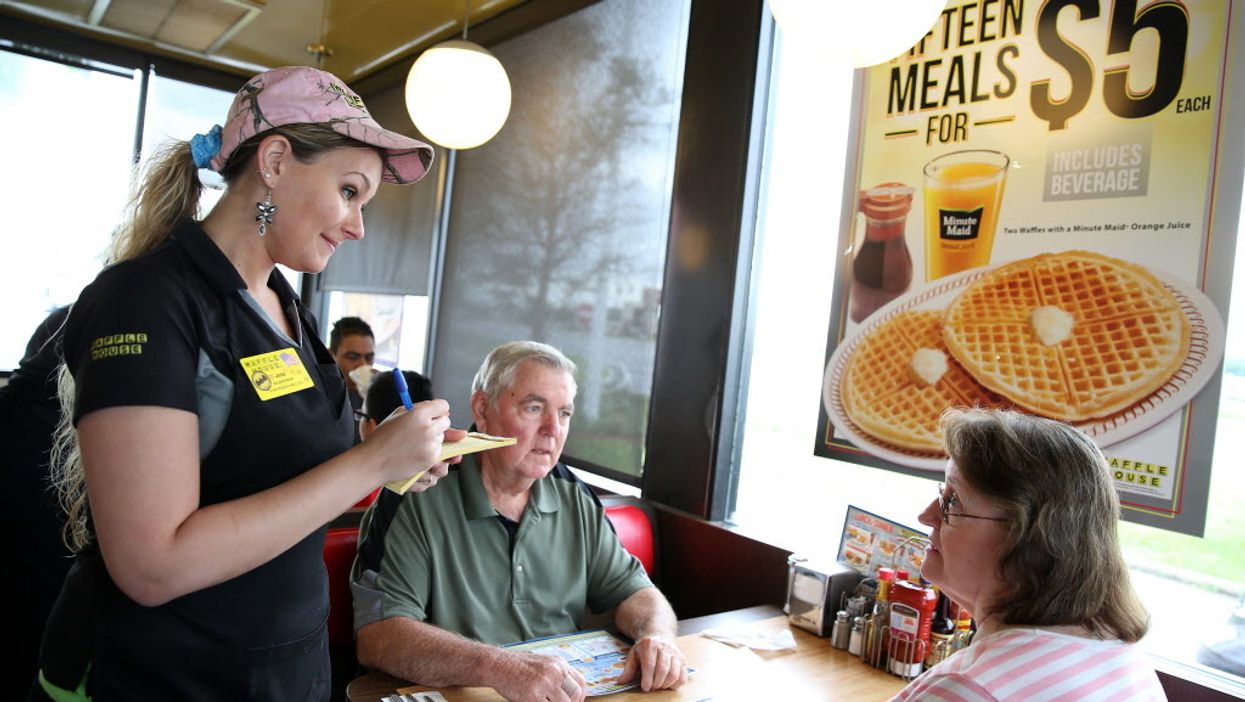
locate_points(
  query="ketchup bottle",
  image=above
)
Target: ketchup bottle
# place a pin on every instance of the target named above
(912, 612)
(882, 269)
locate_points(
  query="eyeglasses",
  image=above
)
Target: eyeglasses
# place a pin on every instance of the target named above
(353, 356)
(945, 503)
(360, 415)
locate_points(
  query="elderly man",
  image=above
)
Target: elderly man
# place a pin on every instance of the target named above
(509, 546)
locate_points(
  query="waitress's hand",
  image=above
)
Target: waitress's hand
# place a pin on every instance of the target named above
(435, 473)
(408, 442)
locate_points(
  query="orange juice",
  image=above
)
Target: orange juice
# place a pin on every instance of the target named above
(963, 191)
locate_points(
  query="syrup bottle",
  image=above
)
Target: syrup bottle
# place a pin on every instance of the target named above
(874, 650)
(882, 268)
(941, 631)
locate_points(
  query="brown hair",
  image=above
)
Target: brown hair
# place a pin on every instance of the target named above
(167, 194)
(1061, 562)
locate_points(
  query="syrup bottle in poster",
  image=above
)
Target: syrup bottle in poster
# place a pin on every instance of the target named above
(882, 268)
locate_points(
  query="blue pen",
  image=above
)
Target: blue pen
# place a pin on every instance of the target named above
(403, 392)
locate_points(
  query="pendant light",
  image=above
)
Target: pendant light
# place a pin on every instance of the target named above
(457, 92)
(858, 34)
(320, 49)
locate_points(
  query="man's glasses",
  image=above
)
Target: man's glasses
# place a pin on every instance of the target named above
(360, 415)
(945, 502)
(353, 356)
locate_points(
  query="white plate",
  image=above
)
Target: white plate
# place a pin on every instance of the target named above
(1205, 350)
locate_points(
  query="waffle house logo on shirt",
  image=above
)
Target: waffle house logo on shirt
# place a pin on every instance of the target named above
(276, 373)
(127, 344)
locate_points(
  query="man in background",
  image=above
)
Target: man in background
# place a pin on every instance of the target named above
(353, 345)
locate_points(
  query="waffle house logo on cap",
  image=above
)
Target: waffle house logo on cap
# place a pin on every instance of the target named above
(352, 100)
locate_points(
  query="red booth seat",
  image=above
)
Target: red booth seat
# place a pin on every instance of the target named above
(635, 530)
(339, 550)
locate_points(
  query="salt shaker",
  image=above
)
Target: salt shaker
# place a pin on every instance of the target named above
(841, 634)
(857, 636)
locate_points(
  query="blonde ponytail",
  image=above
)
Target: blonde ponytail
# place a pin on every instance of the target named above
(168, 193)
(66, 474)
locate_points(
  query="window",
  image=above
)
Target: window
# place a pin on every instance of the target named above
(558, 225)
(786, 495)
(67, 215)
(399, 325)
(68, 194)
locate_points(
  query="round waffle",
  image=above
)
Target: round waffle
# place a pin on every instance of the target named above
(882, 396)
(1128, 334)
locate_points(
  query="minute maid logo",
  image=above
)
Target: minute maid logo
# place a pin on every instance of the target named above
(127, 344)
(352, 100)
(959, 224)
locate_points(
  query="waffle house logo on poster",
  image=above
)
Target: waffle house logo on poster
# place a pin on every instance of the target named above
(970, 57)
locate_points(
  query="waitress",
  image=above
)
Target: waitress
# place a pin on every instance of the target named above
(212, 423)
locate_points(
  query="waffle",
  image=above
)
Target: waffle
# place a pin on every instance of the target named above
(1128, 337)
(883, 398)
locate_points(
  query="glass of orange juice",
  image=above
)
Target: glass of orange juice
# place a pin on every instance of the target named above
(963, 191)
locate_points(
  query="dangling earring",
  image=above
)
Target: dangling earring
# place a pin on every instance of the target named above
(265, 212)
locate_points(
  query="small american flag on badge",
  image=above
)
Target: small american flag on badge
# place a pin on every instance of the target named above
(288, 358)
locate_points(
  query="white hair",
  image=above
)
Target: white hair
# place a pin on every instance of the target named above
(496, 374)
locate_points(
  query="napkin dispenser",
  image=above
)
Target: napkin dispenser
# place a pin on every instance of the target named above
(814, 592)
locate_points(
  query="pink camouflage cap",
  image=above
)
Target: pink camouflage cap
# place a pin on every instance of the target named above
(300, 94)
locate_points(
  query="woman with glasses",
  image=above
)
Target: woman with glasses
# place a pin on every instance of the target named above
(1024, 536)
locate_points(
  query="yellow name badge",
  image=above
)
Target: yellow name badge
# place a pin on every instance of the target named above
(276, 373)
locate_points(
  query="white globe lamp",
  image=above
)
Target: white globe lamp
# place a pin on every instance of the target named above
(458, 94)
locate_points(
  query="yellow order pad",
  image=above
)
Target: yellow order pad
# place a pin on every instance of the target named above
(474, 442)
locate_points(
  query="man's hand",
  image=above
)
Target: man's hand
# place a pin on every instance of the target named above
(658, 661)
(533, 677)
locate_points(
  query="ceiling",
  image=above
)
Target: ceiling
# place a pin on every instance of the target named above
(248, 36)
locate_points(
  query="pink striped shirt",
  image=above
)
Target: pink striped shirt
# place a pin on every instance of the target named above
(1039, 665)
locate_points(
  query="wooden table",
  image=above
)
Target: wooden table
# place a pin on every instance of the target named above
(814, 671)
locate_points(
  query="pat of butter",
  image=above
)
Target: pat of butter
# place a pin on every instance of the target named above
(928, 365)
(1051, 325)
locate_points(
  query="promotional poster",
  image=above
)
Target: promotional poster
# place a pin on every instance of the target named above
(1035, 222)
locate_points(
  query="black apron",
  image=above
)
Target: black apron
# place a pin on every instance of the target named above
(261, 635)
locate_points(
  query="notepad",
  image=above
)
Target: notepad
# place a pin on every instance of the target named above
(474, 443)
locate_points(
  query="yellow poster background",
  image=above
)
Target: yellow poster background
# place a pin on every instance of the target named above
(1112, 131)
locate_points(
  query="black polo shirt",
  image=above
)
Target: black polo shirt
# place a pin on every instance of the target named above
(176, 328)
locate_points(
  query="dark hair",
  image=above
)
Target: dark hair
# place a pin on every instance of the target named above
(348, 326)
(1060, 562)
(382, 394)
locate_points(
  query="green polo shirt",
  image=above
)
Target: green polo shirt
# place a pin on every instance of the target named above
(443, 557)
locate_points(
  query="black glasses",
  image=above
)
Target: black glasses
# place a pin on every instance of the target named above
(360, 415)
(945, 503)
